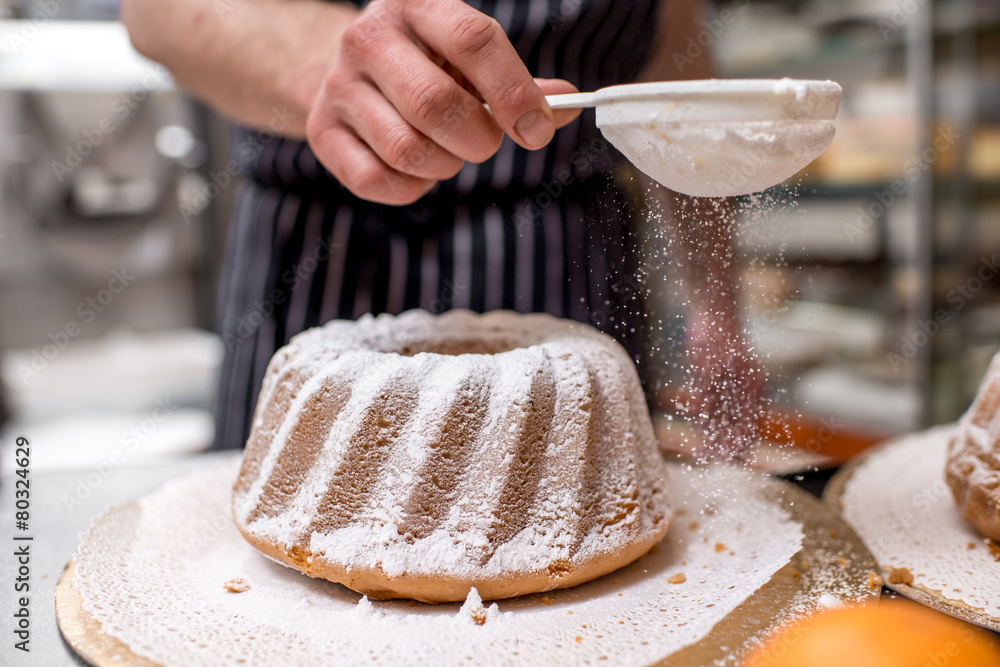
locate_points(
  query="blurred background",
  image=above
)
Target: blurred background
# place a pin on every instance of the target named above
(868, 281)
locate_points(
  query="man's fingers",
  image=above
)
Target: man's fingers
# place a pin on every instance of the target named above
(362, 172)
(434, 103)
(426, 96)
(560, 87)
(391, 137)
(402, 106)
(478, 47)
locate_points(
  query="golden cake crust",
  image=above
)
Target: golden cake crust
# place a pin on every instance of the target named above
(973, 468)
(419, 456)
(440, 587)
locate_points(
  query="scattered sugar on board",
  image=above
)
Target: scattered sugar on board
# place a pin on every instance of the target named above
(172, 549)
(912, 524)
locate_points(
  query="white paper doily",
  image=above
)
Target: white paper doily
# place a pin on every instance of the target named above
(897, 501)
(153, 574)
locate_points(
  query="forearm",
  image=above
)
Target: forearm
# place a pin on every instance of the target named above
(253, 60)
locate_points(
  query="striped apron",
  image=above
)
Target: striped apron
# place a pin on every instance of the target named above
(531, 231)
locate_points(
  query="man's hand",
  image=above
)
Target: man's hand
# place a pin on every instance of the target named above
(401, 107)
(390, 98)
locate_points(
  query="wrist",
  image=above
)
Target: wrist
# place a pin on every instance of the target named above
(301, 86)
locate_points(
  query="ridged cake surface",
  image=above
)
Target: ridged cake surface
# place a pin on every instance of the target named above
(420, 455)
(973, 469)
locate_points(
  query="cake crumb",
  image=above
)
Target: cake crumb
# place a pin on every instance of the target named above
(473, 608)
(841, 561)
(970, 545)
(678, 578)
(546, 601)
(720, 546)
(693, 525)
(833, 534)
(900, 575)
(411, 603)
(874, 581)
(237, 585)
(579, 639)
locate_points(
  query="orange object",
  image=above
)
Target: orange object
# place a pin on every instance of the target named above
(892, 633)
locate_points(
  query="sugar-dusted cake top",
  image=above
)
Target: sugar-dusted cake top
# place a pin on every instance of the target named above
(422, 455)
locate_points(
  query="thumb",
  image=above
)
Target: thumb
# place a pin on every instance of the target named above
(559, 87)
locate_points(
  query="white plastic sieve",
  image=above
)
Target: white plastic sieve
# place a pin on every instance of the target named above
(715, 137)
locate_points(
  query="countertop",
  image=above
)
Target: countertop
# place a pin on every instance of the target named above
(62, 505)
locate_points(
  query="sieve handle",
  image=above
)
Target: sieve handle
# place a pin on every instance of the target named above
(571, 100)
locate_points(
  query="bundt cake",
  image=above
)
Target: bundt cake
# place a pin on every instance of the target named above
(421, 455)
(973, 469)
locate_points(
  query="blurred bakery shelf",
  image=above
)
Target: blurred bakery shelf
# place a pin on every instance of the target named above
(895, 226)
(108, 258)
(140, 395)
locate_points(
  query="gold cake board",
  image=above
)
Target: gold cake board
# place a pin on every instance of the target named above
(833, 495)
(828, 543)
